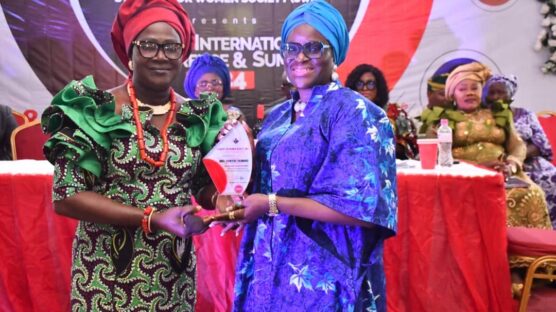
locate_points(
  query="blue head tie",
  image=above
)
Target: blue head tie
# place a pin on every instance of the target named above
(203, 64)
(326, 19)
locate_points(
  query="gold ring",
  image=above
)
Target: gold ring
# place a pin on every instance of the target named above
(232, 215)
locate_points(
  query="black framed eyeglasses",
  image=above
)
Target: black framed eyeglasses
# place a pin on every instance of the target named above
(370, 84)
(149, 49)
(311, 49)
(203, 84)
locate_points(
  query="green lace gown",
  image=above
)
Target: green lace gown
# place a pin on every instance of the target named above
(120, 268)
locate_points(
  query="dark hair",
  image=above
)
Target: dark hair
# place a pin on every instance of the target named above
(381, 84)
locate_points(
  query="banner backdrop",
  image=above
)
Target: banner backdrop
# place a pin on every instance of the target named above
(45, 44)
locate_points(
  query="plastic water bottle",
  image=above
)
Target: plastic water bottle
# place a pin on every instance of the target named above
(445, 144)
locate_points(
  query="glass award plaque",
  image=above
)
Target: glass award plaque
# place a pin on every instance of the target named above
(230, 162)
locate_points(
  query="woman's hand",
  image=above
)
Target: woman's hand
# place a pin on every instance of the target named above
(171, 220)
(253, 207)
(512, 166)
(507, 168)
(226, 128)
(228, 125)
(497, 165)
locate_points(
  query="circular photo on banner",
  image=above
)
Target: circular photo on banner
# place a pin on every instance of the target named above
(494, 5)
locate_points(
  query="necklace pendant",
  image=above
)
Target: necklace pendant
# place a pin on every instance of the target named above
(299, 107)
(156, 109)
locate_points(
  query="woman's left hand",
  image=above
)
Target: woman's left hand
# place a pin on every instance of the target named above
(511, 168)
(255, 206)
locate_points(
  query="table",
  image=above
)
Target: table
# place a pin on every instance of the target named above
(35, 243)
(450, 250)
(35, 247)
(449, 254)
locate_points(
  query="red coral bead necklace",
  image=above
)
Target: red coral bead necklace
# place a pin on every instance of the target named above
(163, 132)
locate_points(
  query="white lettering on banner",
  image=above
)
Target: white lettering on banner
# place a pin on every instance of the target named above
(238, 43)
(224, 56)
(239, 81)
(225, 21)
(261, 59)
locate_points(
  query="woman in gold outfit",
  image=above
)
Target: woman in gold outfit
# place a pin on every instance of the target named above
(486, 136)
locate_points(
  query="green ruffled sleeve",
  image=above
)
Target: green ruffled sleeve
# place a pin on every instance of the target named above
(429, 117)
(502, 115)
(203, 119)
(82, 123)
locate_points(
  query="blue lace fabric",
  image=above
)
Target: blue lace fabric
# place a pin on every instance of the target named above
(342, 155)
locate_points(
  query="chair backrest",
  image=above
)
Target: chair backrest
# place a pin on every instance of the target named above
(548, 123)
(27, 141)
(20, 118)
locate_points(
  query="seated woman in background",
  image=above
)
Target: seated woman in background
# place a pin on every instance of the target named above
(369, 81)
(436, 92)
(500, 90)
(486, 136)
(209, 73)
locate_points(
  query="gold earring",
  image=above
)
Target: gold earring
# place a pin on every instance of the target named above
(130, 65)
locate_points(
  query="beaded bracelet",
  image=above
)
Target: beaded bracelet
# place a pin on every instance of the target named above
(146, 221)
(272, 205)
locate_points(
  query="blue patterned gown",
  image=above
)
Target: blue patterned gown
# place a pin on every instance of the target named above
(341, 154)
(538, 168)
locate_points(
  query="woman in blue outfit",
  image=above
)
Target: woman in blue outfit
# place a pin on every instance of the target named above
(324, 194)
(209, 73)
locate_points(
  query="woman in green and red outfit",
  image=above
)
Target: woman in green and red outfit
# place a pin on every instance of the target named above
(127, 169)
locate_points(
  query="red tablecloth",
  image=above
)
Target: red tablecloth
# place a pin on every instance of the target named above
(35, 252)
(35, 246)
(450, 250)
(449, 254)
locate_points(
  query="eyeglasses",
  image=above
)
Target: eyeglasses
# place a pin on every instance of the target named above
(203, 84)
(370, 84)
(148, 49)
(311, 49)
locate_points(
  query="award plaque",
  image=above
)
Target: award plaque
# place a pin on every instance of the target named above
(230, 162)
